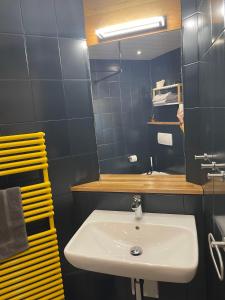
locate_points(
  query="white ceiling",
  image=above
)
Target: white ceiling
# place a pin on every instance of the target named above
(151, 46)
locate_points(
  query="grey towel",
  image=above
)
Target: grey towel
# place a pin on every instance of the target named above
(13, 236)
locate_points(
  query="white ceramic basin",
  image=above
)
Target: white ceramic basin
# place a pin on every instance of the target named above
(169, 244)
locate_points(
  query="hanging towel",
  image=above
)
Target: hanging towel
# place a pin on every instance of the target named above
(13, 236)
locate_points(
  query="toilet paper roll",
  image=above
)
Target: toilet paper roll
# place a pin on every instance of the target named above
(133, 158)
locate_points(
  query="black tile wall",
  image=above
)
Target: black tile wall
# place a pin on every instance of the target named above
(207, 118)
(69, 18)
(49, 99)
(43, 57)
(166, 158)
(45, 86)
(78, 98)
(122, 107)
(13, 63)
(121, 116)
(39, 17)
(190, 33)
(10, 16)
(74, 58)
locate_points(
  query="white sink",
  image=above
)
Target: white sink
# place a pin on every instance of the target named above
(169, 244)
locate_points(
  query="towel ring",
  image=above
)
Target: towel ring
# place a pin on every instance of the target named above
(216, 245)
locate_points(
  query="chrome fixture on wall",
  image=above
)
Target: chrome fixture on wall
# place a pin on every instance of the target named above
(212, 165)
(205, 157)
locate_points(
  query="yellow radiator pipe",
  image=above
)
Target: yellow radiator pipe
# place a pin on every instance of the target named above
(39, 289)
(35, 186)
(50, 232)
(38, 211)
(50, 293)
(39, 217)
(36, 199)
(42, 240)
(22, 150)
(57, 279)
(22, 156)
(23, 163)
(30, 269)
(22, 136)
(33, 252)
(27, 282)
(35, 193)
(24, 265)
(37, 205)
(46, 179)
(22, 170)
(31, 275)
(22, 143)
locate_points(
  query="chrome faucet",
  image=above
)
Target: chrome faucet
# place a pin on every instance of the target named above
(136, 206)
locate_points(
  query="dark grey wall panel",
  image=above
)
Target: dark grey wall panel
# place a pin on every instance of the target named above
(36, 96)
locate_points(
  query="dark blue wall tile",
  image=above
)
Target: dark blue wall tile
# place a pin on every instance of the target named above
(16, 102)
(10, 16)
(78, 99)
(57, 138)
(20, 128)
(217, 14)
(39, 17)
(191, 84)
(43, 57)
(204, 27)
(12, 57)
(74, 59)
(48, 99)
(70, 18)
(82, 136)
(190, 33)
(85, 168)
(168, 67)
(164, 204)
(61, 172)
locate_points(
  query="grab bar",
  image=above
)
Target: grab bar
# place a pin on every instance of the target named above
(217, 245)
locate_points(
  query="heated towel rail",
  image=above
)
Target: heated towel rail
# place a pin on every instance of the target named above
(34, 274)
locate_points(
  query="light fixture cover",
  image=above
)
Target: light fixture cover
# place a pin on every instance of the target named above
(131, 27)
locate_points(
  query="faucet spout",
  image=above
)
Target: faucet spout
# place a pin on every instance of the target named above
(136, 206)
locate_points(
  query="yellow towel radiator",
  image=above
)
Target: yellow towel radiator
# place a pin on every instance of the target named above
(36, 272)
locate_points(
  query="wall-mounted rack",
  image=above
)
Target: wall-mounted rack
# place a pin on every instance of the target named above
(177, 86)
(155, 91)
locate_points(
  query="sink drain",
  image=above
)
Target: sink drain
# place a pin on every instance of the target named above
(136, 251)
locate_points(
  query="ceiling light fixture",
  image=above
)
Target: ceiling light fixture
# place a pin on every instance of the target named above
(131, 27)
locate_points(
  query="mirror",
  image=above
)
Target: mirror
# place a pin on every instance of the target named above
(137, 100)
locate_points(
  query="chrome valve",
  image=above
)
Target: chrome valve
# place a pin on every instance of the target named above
(205, 157)
(217, 175)
(213, 165)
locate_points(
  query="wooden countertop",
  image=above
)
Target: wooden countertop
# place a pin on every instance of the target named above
(148, 184)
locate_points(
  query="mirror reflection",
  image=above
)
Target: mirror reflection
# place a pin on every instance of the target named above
(137, 100)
